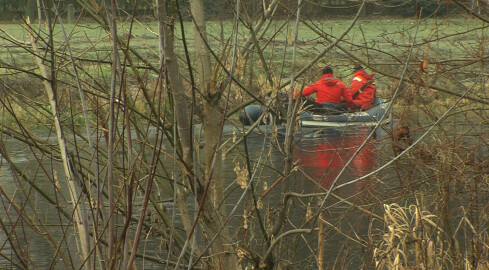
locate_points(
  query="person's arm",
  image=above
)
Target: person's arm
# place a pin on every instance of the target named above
(311, 89)
(296, 93)
(307, 91)
(355, 85)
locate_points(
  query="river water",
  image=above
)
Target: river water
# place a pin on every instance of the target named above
(319, 156)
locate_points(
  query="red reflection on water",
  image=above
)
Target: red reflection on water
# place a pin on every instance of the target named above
(323, 158)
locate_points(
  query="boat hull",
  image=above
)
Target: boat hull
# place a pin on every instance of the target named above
(379, 112)
(370, 117)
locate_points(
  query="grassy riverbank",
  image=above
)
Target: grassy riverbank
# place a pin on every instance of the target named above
(381, 43)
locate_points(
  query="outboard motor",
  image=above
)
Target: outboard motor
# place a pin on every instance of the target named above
(251, 114)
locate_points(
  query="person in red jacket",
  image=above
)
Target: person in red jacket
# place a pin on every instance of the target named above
(330, 92)
(362, 88)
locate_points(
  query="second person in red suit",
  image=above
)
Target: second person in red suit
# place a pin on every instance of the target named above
(362, 88)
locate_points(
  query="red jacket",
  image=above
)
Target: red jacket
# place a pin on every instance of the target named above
(328, 89)
(364, 98)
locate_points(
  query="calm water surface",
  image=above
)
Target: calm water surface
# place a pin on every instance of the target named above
(319, 153)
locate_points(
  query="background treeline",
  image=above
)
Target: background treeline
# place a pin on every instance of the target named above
(221, 8)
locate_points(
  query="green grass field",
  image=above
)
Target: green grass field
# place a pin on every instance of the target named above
(89, 39)
(381, 42)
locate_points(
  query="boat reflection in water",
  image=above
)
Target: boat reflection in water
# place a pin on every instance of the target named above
(323, 153)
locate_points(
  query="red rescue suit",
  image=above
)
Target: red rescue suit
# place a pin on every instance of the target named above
(362, 89)
(328, 89)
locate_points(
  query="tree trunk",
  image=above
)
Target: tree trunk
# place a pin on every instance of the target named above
(169, 58)
(78, 199)
(212, 123)
(212, 115)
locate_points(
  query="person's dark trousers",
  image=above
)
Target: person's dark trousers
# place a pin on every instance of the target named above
(323, 108)
(328, 107)
(313, 106)
(356, 108)
(333, 108)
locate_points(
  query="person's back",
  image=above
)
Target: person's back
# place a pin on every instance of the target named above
(329, 91)
(362, 88)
